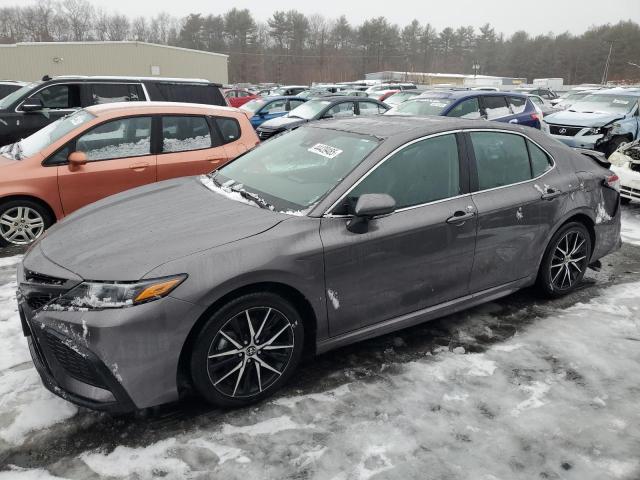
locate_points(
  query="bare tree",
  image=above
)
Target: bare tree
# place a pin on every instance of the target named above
(80, 15)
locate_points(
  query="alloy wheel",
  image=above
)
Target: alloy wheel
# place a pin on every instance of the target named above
(569, 260)
(21, 225)
(250, 352)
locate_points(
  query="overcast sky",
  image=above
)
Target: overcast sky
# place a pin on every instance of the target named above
(535, 16)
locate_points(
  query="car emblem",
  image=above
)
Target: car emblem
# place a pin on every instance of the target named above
(562, 131)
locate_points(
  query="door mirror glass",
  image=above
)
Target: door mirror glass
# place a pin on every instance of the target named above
(77, 159)
(32, 105)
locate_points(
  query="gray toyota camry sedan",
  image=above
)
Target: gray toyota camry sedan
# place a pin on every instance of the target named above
(336, 232)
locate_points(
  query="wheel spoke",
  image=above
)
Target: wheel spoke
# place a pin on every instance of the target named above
(276, 347)
(277, 335)
(251, 332)
(259, 376)
(234, 369)
(233, 342)
(267, 366)
(235, 389)
(224, 354)
(263, 323)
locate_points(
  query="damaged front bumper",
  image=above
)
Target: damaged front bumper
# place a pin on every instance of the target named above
(117, 360)
(629, 180)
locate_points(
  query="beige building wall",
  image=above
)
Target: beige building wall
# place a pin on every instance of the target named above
(30, 61)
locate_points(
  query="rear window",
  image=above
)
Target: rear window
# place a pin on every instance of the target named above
(229, 128)
(495, 107)
(113, 92)
(189, 93)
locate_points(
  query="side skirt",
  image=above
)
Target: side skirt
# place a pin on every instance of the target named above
(424, 315)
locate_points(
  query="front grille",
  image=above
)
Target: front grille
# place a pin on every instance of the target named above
(564, 131)
(75, 364)
(265, 134)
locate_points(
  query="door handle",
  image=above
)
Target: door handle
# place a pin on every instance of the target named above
(138, 166)
(513, 120)
(215, 160)
(551, 193)
(459, 217)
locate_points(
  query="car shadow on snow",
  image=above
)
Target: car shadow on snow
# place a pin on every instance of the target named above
(473, 330)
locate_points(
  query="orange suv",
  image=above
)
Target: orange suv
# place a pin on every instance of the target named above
(105, 149)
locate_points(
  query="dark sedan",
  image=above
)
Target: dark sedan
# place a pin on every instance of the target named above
(336, 232)
(321, 108)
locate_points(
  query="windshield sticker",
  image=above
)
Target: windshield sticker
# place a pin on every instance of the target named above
(325, 150)
(622, 102)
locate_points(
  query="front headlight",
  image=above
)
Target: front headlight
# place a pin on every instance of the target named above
(103, 295)
(596, 131)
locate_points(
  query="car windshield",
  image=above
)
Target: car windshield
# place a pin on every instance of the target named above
(13, 96)
(253, 105)
(422, 106)
(292, 172)
(53, 132)
(605, 103)
(309, 109)
(400, 97)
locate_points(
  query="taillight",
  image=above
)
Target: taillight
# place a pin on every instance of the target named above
(612, 181)
(534, 116)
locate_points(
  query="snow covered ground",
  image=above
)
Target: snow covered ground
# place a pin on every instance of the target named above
(521, 388)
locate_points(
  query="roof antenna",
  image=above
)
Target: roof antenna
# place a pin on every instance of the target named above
(46, 78)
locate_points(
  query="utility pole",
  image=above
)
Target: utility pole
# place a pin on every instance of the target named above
(605, 74)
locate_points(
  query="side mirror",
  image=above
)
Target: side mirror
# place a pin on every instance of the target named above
(32, 105)
(369, 207)
(76, 160)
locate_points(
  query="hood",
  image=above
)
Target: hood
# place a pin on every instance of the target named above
(283, 122)
(125, 236)
(582, 119)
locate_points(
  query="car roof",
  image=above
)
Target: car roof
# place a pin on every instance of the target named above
(619, 91)
(344, 98)
(457, 94)
(404, 127)
(154, 107)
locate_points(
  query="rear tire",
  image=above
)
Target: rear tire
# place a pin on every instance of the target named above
(565, 260)
(247, 350)
(22, 221)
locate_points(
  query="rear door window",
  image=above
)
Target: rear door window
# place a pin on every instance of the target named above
(469, 108)
(123, 138)
(190, 93)
(279, 106)
(229, 129)
(495, 106)
(518, 105)
(344, 109)
(501, 159)
(185, 133)
(295, 103)
(113, 92)
(540, 161)
(59, 97)
(370, 108)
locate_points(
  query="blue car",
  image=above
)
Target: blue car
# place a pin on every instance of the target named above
(601, 121)
(472, 104)
(264, 109)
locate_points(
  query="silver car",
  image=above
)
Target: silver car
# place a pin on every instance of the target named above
(336, 232)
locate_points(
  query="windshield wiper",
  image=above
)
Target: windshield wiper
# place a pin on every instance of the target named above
(261, 202)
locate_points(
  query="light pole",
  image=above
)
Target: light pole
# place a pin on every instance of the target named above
(476, 69)
(605, 74)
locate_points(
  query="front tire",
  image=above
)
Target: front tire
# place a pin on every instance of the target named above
(565, 260)
(22, 222)
(247, 350)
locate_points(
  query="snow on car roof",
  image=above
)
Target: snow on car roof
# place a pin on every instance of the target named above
(110, 107)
